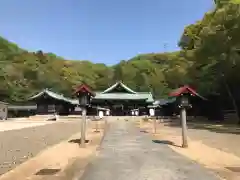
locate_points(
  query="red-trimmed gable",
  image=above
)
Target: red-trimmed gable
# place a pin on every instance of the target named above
(183, 90)
(84, 88)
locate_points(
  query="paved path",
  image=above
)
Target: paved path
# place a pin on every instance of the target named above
(128, 154)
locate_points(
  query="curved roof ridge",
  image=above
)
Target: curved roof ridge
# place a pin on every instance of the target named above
(55, 96)
(116, 84)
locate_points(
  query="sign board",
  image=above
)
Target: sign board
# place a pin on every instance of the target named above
(151, 112)
(100, 114)
(132, 112)
(136, 113)
(56, 116)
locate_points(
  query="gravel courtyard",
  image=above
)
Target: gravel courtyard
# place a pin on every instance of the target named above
(227, 140)
(17, 146)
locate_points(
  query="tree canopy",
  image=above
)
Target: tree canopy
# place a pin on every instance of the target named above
(24, 73)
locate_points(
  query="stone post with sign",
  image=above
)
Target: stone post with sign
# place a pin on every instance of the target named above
(100, 114)
(106, 118)
(136, 112)
(152, 114)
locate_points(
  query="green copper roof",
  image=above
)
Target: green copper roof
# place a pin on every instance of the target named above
(152, 106)
(125, 96)
(119, 84)
(108, 94)
(105, 95)
(162, 102)
(54, 96)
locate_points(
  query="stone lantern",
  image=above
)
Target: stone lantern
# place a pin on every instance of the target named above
(183, 95)
(84, 95)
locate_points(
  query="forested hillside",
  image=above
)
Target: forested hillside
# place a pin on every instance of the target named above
(209, 60)
(25, 73)
(212, 45)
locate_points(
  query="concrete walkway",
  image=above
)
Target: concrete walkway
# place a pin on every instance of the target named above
(128, 154)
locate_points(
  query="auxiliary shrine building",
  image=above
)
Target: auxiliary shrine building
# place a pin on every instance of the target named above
(118, 98)
(49, 102)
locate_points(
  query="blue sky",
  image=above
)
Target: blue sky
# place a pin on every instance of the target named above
(104, 31)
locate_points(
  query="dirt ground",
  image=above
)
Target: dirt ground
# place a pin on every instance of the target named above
(213, 147)
(62, 159)
(20, 124)
(222, 137)
(19, 145)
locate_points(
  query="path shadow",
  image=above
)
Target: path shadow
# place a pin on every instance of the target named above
(77, 141)
(234, 169)
(96, 131)
(47, 171)
(166, 142)
(143, 131)
(210, 126)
